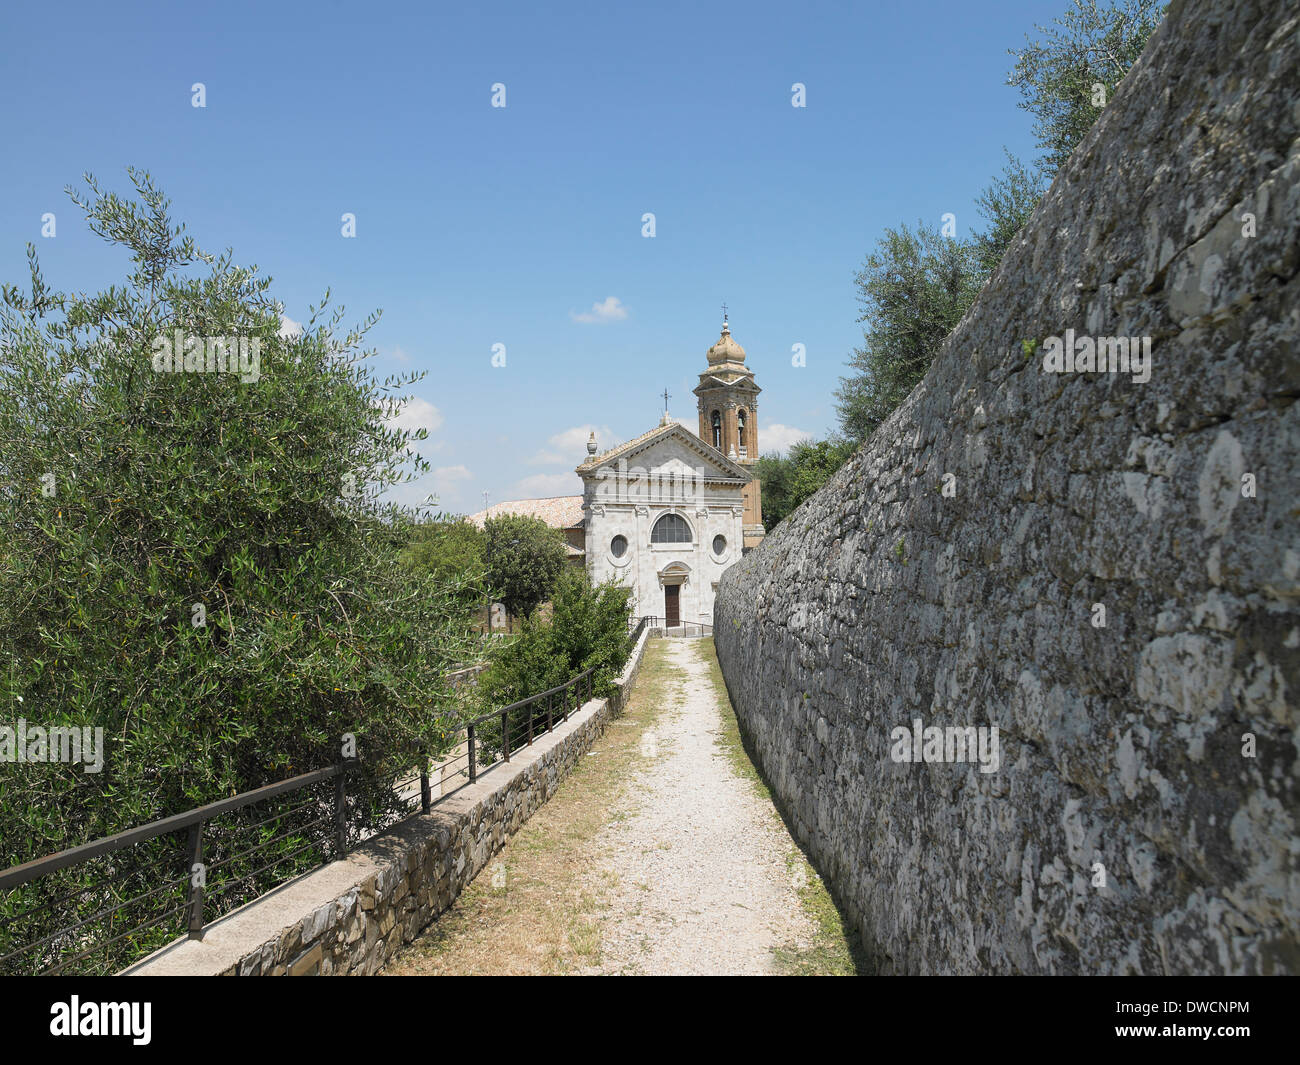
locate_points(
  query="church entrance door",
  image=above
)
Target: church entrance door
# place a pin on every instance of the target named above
(672, 605)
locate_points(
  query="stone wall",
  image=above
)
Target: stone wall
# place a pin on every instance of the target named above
(1105, 570)
(351, 916)
(465, 678)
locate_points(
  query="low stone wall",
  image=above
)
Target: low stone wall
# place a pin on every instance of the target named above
(351, 916)
(461, 678)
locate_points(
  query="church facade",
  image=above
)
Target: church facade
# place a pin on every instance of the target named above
(667, 512)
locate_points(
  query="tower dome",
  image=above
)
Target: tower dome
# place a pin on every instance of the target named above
(726, 349)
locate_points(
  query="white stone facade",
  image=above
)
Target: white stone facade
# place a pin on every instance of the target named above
(628, 490)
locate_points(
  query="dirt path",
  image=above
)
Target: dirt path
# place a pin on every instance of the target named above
(662, 854)
(702, 866)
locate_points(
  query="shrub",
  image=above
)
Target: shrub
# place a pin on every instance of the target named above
(524, 558)
(453, 552)
(587, 629)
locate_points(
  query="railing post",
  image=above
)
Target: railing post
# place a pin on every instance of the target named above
(550, 717)
(194, 851)
(340, 814)
(473, 769)
(505, 733)
(564, 701)
(530, 724)
(426, 798)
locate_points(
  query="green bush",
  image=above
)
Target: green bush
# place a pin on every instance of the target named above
(453, 552)
(524, 558)
(587, 629)
(789, 480)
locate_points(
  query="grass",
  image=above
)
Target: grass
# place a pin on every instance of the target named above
(835, 950)
(543, 917)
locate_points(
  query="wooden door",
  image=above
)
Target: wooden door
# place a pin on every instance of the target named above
(672, 605)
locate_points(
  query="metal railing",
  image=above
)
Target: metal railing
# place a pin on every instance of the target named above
(635, 633)
(103, 913)
(688, 629)
(313, 831)
(490, 739)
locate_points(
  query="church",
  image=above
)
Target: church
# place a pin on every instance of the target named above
(667, 512)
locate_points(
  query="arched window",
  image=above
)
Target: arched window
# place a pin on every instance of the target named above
(670, 529)
(740, 429)
(717, 430)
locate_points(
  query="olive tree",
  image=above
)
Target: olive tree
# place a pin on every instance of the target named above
(196, 558)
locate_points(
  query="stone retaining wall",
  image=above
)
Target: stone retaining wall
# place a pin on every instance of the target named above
(1106, 570)
(351, 916)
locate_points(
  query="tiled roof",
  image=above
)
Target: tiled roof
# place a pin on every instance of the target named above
(559, 512)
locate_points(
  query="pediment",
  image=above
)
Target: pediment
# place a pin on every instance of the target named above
(672, 448)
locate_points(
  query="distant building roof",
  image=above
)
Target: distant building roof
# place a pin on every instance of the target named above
(559, 512)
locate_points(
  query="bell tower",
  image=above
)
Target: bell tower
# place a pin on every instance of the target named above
(728, 406)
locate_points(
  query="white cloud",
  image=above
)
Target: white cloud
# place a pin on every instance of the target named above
(444, 483)
(401, 356)
(450, 476)
(288, 327)
(611, 309)
(569, 446)
(416, 413)
(778, 438)
(544, 485)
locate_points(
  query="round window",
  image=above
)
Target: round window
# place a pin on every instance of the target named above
(719, 544)
(618, 546)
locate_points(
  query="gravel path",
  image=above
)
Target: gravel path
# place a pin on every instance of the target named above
(701, 882)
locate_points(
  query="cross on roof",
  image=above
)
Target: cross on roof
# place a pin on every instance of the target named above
(666, 398)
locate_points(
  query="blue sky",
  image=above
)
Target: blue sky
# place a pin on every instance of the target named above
(478, 225)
